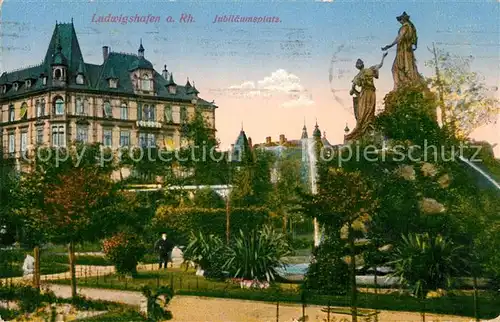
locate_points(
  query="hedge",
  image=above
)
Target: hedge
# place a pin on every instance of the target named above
(179, 222)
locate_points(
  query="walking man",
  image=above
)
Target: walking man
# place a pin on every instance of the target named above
(164, 247)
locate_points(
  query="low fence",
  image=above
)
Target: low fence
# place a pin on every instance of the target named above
(189, 284)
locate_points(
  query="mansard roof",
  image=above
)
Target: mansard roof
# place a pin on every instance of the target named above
(118, 65)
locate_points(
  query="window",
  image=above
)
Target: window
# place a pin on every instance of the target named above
(4, 89)
(146, 83)
(79, 106)
(24, 141)
(124, 138)
(82, 134)
(168, 114)
(58, 136)
(183, 114)
(24, 111)
(147, 140)
(113, 83)
(38, 108)
(79, 79)
(28, 83)
(148, 112)
(59, 106)
(57, 74)
(44, 80)
(39, 135)
(12, 113)
(12, 142)
(42, 107)
(107, 137)
(107, 112)
(124, 112)
(86, 105)
(16, 86)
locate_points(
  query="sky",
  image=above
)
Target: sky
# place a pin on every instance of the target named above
(270, 78)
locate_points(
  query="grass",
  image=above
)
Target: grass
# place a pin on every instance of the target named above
(186, 283)
(117, 315)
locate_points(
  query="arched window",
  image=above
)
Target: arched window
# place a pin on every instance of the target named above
(57, 73)
(42, 107)
(59, 106)
(124, 111)
(79, 79)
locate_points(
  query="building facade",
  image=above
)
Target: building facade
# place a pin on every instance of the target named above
(122, 102)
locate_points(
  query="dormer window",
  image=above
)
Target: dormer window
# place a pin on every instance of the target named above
(16, 86)
(4, 89)
(79, 79)
(28, 83)
(113, 83)
(172, 89)
(57, 74)
(44, 80)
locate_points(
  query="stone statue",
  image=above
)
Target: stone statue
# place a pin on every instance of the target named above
(28, 265)
(365, 100)
(404, 69)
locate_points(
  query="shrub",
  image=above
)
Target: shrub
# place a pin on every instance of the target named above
(124, 250)
(328, 273)
(180, 222)
(208, 252)
(257, 254)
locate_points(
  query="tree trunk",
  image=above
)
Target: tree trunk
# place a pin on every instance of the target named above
(476, 306)
(285, 222)
(72, 270)
(36, 273)
(228, 220)
(352, 266)
(376, 289)
(316, 232)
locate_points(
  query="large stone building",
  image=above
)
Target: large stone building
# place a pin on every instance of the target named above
(121, 102)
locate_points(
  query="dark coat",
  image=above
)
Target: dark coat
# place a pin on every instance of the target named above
(163, 247)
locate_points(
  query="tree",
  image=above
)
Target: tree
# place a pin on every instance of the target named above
(345, 199)
(284, 196)
(465, 101)
(8, 184)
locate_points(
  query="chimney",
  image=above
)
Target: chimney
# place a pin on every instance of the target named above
(268, 140)
(282, 138)
(105, 52)
(250, 143)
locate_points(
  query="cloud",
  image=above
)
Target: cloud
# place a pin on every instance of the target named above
(300, 101)
(279, 82)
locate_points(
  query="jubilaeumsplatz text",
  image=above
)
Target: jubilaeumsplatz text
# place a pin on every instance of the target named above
(125, 19)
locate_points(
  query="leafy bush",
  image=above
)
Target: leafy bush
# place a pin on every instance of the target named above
(180, 222)
(124, 250)
(328, 273)
(208, 252)
(257, 254)
(410, 115)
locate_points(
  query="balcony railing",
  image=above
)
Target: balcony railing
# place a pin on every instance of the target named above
(150, 124)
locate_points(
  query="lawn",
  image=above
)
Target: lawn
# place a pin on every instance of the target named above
(187, 283)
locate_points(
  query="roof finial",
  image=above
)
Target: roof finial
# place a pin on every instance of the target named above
(71, 20)
(242, 125)
(164, 67)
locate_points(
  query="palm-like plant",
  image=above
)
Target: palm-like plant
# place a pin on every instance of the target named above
(257, 254)
(207, 252)
(425, 263)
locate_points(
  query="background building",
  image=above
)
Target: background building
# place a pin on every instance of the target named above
(121, 102)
